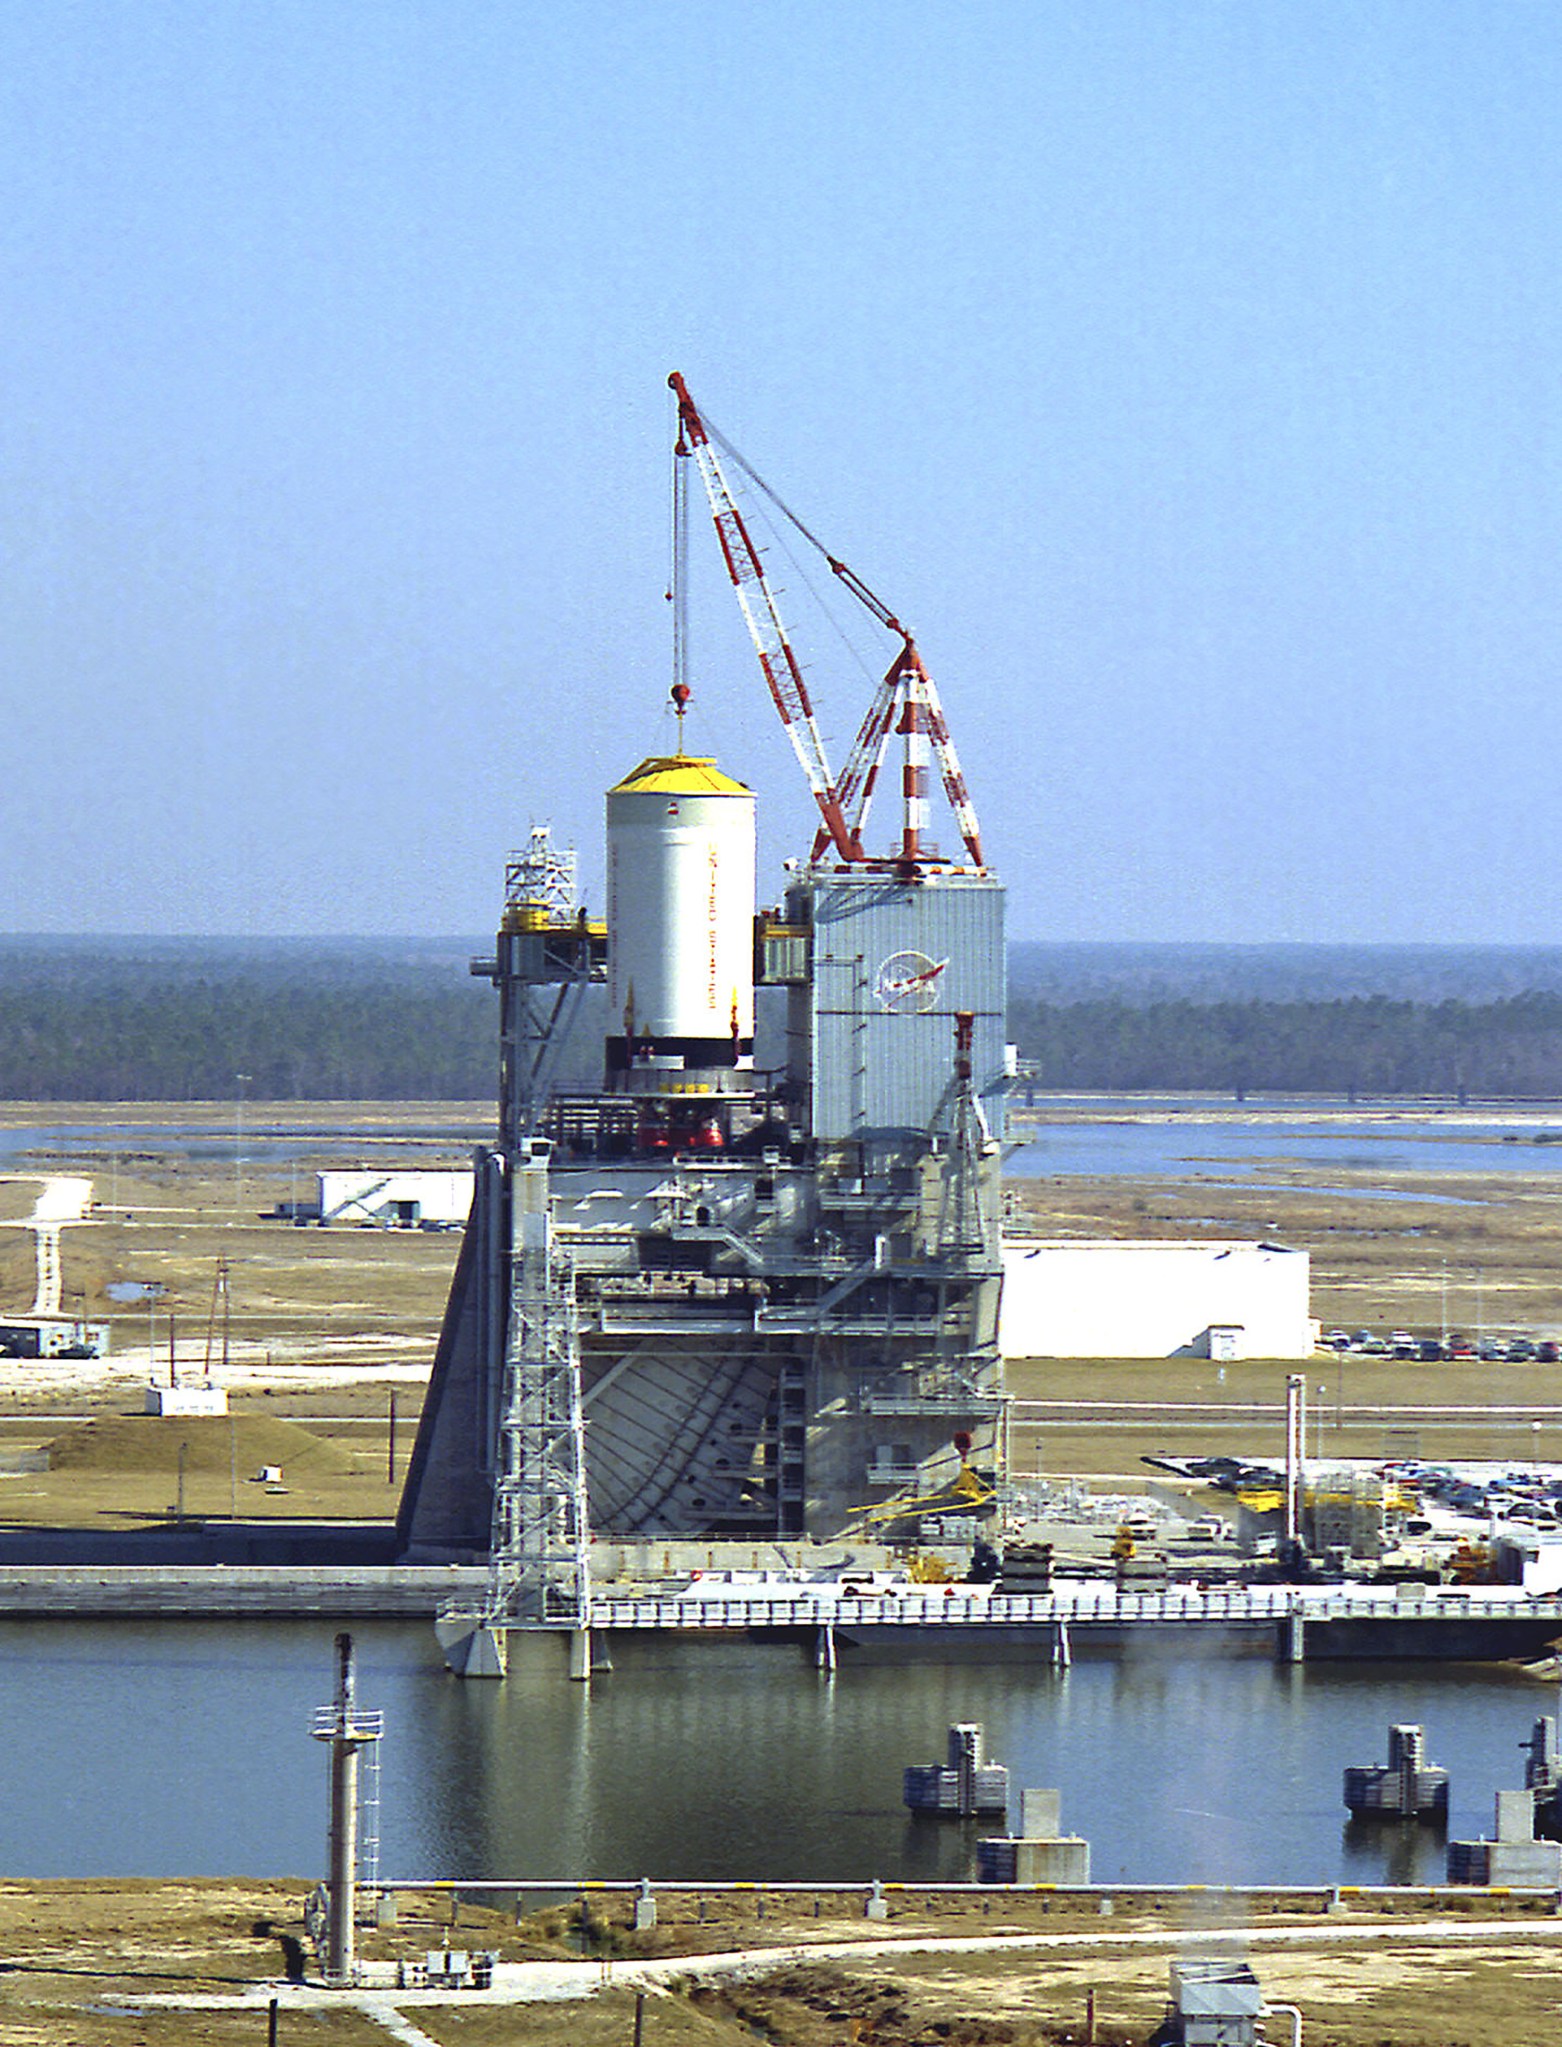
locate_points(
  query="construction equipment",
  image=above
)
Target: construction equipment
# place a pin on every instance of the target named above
(782, 673)
(968, 1492)
(906, 701)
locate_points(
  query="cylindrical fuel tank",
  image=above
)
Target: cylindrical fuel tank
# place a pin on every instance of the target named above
(680, 914)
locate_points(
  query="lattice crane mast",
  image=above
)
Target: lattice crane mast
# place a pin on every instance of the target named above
(769, 635)
(906, 701)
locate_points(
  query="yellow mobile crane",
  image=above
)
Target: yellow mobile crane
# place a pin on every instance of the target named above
(968, 1492)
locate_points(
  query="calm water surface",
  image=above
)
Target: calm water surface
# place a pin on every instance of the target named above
(1183, 1145)
(183, 1749)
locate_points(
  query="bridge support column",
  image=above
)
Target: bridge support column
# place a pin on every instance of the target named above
(580, 1655)
(1062, 1651)
(1293, 1638)
(824, 1647)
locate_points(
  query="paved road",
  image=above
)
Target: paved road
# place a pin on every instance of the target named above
(545, 1982)
(62, 1198)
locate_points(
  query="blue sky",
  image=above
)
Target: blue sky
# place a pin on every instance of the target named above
(1186, 374)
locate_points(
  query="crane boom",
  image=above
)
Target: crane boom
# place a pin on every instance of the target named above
(905, 703)
(763, 617)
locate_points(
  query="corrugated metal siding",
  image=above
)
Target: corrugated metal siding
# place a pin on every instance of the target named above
(881, 1061)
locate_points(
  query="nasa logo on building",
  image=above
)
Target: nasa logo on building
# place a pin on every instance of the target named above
(907, 983)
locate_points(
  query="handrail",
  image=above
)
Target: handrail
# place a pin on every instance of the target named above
(1104, 1605)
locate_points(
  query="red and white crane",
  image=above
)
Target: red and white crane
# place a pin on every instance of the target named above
(905, 704)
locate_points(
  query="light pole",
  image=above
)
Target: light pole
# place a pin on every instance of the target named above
(1295, 1454)
(238, 1142)
(152, 1291)
(1445, 1307)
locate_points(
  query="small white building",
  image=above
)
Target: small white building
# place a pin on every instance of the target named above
(200, 1397)
(1070, 1297)
(395, 1200)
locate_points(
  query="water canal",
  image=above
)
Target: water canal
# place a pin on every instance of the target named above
(183, 1749)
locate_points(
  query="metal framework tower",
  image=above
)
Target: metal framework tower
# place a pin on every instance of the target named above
(539, 1559)
(543, 926)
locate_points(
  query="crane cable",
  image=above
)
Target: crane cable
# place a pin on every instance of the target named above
(678, 567)
(849, 577)
(907, 673)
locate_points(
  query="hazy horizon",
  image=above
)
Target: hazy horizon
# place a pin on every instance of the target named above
(1185, 375)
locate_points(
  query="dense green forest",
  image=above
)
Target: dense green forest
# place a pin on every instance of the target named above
(182, 1019)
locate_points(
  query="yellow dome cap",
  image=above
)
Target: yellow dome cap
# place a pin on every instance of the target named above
(678, 774)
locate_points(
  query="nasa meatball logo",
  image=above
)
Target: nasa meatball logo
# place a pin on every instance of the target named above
(907, 983)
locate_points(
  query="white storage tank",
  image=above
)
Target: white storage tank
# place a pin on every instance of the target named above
(680, 919)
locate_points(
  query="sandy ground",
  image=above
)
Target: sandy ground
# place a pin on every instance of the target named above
(162, 1965)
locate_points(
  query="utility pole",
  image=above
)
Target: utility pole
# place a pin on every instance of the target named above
(238, 1142)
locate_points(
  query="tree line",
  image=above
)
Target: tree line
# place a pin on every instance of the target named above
(1365, 1045)
(291, 1043)
(122, 1020)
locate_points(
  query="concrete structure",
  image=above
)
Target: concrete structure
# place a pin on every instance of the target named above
(1041, 1853)
(400, 1198)
(766, 1303)
(1515, 1857)
(1078, 1298)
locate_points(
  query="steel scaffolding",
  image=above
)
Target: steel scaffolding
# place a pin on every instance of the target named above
(539, 1569)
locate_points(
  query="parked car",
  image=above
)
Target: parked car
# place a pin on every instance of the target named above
(1494, 1350)
(1460, 1347)
(1337, 1339)
(1548, 1353)
(1429, 1351)
(1521, 1351)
